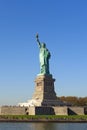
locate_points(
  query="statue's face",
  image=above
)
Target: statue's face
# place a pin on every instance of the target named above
(43, 45)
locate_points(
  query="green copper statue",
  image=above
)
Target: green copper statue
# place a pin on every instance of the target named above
(44, 57)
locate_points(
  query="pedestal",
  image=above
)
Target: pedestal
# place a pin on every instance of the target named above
(44, 94)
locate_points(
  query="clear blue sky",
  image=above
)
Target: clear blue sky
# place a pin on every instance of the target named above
(62, 25)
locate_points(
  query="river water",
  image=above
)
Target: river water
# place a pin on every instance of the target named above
(43, 126)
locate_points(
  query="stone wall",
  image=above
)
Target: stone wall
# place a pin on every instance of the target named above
(76, 111)
(56, 110)
(85, 110)
(41, 111)
(60, 110)
(0, 110)
(12, 110)
(31, 111)
(44, 111)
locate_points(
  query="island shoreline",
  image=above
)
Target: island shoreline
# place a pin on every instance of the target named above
(42, 121)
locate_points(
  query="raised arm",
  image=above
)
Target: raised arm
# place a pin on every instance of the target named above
(39, 44)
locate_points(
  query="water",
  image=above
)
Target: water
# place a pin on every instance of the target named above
(43, 126)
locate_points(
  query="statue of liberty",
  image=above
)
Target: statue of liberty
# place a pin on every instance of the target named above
(44, 57)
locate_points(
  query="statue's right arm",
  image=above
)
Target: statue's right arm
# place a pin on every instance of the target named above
(39, 44)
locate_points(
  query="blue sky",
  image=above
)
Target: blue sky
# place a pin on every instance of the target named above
(62, 25)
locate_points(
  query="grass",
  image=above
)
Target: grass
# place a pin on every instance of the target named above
(43, 117)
